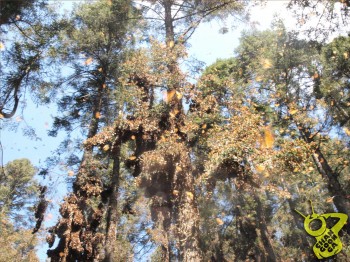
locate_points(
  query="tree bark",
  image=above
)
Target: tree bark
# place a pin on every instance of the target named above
(112, 210)
(77, 206)
(264, 233)
(168, 19)
(186, 211)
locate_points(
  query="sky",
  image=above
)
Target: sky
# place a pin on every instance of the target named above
(207, 45)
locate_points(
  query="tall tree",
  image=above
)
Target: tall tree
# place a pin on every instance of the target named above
(98, 32)
(174, 200)
(18, 195)
(289, 72)
(333, 86)
(18, 188)
(280, 83)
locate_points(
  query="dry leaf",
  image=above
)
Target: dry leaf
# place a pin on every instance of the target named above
(169, 95)
(98, 115)
(171, 44)
(178, 95)
(219, 221)
(88, 61)
(347, 131)
(346, 55)
(260, 168)
(174, 112)
(268, 137)
(175, 192)
(132, 158)
(293, 111)
(266, 64)
(105, 147)
(258, 79)
(189, 195)
(329, 200)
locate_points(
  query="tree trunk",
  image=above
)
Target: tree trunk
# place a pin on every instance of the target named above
(70, 246)
(169, 26)
(186, 211)
(112, 210)
(264, 233)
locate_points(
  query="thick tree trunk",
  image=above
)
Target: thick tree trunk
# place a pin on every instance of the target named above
(185, 211)
(161, 216)
(166, 250)
(70, 247)
(112, 210)
(187, 226)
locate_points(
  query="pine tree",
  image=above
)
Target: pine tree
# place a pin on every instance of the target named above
(98, 32)
(18, 195)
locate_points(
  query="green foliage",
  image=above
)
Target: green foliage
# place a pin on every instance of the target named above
(18, 189)
(16, 244)
(93, 43)
(12, 10)
(334, 86)
(279, 76)
(18, 194)
(26, 54)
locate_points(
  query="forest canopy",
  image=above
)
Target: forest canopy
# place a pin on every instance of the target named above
(161, 158)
